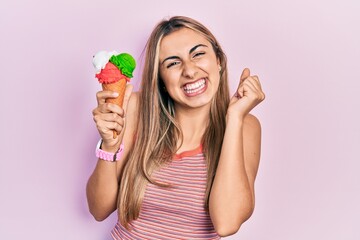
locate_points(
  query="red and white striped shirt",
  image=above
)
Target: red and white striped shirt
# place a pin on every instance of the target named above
(175, 212)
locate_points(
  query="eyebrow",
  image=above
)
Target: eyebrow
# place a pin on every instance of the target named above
(191, 50)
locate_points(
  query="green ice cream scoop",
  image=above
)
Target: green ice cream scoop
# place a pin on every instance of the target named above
(125, 62)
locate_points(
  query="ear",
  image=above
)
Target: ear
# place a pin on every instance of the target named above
(219, 64)
(162, 85)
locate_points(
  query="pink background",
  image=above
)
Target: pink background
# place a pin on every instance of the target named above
(307, 54)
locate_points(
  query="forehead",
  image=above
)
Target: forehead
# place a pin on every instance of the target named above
(181, 40)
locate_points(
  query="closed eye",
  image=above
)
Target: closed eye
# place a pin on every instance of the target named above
(198, 54)
(172, 64)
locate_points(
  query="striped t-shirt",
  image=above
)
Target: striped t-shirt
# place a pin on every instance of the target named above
(176, 212)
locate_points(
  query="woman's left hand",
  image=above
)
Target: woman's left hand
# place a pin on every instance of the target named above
(248, 95)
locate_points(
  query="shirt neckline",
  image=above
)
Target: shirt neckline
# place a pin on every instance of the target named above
(188, 153)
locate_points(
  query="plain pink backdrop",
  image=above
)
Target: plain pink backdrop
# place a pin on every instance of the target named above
(307, 54)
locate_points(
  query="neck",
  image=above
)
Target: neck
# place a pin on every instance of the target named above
(193, 123)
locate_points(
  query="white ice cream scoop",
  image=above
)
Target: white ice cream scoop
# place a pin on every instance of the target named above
(101, 58)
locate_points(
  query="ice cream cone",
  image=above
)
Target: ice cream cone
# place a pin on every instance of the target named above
(113, 72)
(118, 87)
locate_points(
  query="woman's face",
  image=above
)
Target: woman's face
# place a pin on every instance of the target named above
(189, 68)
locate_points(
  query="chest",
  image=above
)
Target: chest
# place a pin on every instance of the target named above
(187, 178)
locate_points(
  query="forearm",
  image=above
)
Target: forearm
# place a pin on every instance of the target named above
(231, 199)
(102, 190)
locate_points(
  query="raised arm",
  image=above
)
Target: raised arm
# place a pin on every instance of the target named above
(103, 185)
(232, 195)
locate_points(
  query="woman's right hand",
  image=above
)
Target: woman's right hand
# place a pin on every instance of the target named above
(109, 117)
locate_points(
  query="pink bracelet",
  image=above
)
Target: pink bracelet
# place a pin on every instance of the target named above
(107, 156)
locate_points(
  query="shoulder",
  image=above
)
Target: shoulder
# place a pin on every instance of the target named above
(133, 103)
(132, 109)
(252, 124)
(131, 118)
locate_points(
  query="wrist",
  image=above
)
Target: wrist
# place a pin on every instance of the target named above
(108, 156)
(111, 148)
(234, 118)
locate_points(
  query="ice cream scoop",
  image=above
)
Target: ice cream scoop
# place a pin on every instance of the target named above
(101, 58)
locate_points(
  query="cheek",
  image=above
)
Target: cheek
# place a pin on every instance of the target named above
(164, 77)
(210, 65)
(170, 78)
(169, 84)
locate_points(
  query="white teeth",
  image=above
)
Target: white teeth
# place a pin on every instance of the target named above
(190, 88)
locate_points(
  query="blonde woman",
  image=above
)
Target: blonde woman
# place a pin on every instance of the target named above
(189, 153)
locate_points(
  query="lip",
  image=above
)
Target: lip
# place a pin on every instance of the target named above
(197, 91)
(199, 79)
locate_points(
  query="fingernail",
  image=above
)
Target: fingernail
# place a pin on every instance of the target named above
(115, 94)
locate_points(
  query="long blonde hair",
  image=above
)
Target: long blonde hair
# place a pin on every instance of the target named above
(158, 132)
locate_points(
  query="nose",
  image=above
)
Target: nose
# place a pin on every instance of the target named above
(189, 70)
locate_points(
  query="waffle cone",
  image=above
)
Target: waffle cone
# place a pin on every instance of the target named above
(118, 87)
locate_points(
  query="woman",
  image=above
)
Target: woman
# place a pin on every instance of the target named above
(190, 154)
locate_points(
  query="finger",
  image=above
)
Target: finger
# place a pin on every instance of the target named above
(257, 81)
(127, 95)
(249, 86)
(109, 117)
(111, 108)
(115, 127)
(109, 127)
(239, 93)
(101, 96)
(256, 77)
(95, 111)
(245, 74)
(254, 82)
(252, 87)
(245, 87)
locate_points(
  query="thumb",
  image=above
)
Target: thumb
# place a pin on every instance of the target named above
(127, 95)
(245, 74)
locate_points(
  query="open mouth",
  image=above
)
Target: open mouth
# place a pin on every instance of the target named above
(195, 88)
